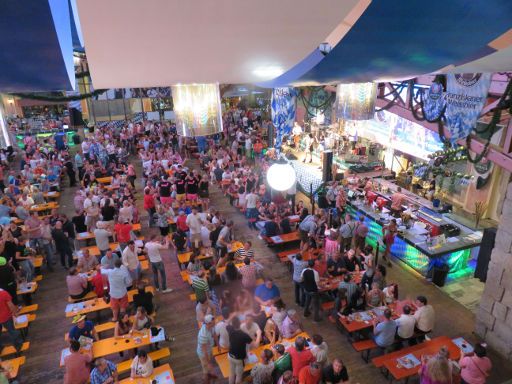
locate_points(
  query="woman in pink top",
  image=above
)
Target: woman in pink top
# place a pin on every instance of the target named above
(475, 367)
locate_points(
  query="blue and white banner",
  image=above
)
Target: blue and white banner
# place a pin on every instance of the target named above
(466, 94)
(283, 112)
(434, 101)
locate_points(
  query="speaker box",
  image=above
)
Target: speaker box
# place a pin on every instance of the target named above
(75, 117)
(484, 255)
(327, 166)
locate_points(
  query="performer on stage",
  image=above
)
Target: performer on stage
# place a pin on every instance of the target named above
(309, 148)
(297, 132)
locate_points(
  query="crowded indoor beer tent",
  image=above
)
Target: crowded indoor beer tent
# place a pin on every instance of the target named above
(271, 192)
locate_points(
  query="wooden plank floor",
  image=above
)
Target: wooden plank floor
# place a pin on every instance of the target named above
(177, 314)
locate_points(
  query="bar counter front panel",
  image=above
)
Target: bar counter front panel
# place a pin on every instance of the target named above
(455, 256)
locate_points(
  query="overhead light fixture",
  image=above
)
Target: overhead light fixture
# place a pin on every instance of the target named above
(281, 175)
(356, 101)
(197, 109)
(268, 72)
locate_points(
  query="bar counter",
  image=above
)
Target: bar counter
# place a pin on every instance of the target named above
(411, 245)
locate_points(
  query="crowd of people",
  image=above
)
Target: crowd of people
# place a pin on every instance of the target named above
(238, 306)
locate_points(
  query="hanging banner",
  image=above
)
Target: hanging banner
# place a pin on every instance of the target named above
(433, 102)
(283, 112)
(465, 97)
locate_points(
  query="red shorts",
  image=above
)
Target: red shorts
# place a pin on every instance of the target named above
(192, 196)
(167, 200)
(121, 303)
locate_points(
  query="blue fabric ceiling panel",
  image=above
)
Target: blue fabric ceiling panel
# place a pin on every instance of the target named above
(401, 39)
(36, 52)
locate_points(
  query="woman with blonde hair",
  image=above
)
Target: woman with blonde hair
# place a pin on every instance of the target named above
(436, 369)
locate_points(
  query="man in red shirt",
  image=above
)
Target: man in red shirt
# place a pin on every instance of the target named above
(310, 374)
(149, 205)
(301, 357)
(123, 233)
(181, 222)
(7, 311)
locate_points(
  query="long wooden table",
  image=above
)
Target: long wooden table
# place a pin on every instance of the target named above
(223, 362)
(283, 239)
(332, 283)
(136, 227)
(113, 345)
(355, 323)
(97, 304)
(162, 374)
(44, 207)
(431, 347)
(95, 251)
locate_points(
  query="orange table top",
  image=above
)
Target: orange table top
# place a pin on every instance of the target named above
(163, 371)
(332, 283)
(104, 180)
(353, 324)
(13, 366)
(430, 347)
(114, 345)
(44, 207)
(223, 362)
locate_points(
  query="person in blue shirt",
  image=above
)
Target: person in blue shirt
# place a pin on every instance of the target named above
(104, 372)
(267, 293)
(82, 327)
(384, 332)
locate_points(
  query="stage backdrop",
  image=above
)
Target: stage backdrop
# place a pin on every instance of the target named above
(283, 112)
(465, 97)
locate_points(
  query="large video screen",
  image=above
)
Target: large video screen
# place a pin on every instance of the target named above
(409, 137)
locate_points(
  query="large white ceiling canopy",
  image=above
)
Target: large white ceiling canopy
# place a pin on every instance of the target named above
(133, 43)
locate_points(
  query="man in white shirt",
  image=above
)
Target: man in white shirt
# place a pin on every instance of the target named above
(424, 316)
(406, 323)
(221, 332)
(251, 201)
(130, 259)
(251, 328)
(194, 223)
(102, 238)
(153, 247)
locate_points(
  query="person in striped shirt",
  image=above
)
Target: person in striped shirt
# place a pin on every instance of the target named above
(245, 251)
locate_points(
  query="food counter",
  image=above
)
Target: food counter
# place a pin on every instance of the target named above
(414, 245)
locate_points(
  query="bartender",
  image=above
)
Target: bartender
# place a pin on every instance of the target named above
(368, 186)
(397, 200)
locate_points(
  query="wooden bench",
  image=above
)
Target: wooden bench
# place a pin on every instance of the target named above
(365, 347)
(184, 258)
(9, 350)
(90, 295)
(285, 254)
(125, 366)
(28, 308)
